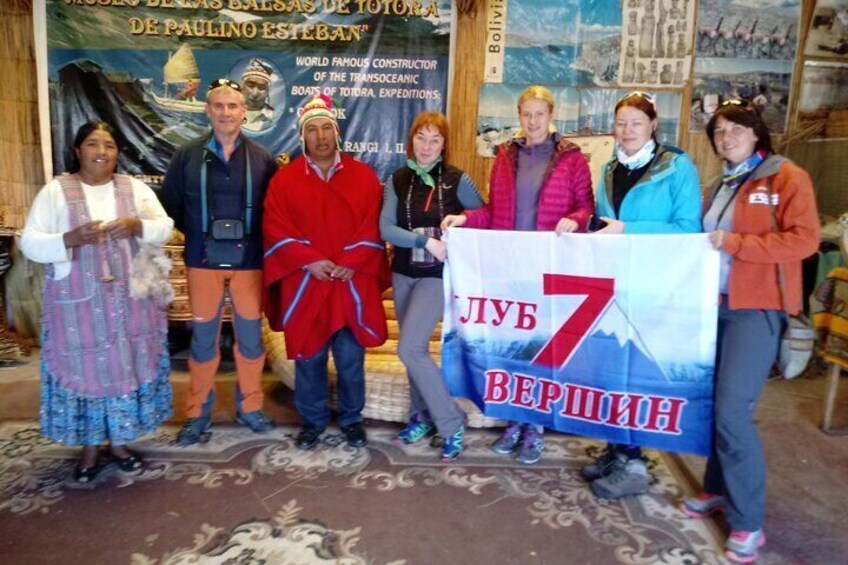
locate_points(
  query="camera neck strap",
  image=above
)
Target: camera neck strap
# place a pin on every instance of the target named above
(206, 172)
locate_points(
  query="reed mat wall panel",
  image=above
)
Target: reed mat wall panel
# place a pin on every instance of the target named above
(20, 154)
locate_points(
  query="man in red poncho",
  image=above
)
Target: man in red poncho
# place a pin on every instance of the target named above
(325, 270)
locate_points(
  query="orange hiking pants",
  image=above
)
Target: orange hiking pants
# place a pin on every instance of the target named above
(206, 292)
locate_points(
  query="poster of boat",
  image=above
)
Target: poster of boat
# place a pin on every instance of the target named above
(146, 71)
(181, 72)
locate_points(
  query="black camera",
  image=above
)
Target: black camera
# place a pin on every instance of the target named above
(227, 229)
(225, 245)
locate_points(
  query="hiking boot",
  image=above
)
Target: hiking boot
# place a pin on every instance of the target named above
(452, 445)
(744, 547)
(602, 466)
(509, 440)
(416, 430)
(703, 505)
(308, 437)
(355, 434)
(194, 430)
(531, 448)
(628, 477)
(256, 421)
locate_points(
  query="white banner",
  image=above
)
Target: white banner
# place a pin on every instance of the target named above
(611, 336)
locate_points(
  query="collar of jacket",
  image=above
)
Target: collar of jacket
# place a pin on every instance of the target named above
(769, 167)
(563, 147)
(661, 167)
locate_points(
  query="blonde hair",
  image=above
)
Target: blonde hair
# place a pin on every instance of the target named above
(537, 92)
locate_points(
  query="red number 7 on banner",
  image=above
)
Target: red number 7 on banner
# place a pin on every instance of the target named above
(599, 293)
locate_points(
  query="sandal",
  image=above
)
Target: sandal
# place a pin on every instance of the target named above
(85, 475)
(131, 463)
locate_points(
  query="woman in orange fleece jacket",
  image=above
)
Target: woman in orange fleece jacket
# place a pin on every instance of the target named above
(762, 218)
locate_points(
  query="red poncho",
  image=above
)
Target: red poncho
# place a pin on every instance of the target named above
(307, 219)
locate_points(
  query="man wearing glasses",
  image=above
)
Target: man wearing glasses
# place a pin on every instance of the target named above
(214, 190)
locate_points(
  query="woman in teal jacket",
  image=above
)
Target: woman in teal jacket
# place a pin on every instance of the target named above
(666, 198)
(645, 188)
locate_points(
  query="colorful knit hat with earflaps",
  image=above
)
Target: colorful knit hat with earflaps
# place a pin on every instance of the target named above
(320, 106)
(257, 69)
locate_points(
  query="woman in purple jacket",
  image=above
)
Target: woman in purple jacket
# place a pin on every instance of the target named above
(539, 182)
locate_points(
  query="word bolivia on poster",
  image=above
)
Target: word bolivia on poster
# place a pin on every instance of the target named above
(495, 40)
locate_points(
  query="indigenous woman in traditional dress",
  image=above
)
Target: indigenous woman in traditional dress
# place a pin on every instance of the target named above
(416, 199)
(539, 182)
(646, 187)
(762, 218)
(105, 370)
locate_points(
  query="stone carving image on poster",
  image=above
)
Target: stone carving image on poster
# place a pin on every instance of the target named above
(146, 70)
(748, 29)
(569, 42)
(824, 99)
(765, 83)
(597, 115)
(656, 40)
(828, 34)
(497, 114)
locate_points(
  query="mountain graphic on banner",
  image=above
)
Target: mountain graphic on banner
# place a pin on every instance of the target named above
(605, 352)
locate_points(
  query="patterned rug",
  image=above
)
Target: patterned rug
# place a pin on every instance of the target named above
(244, 498)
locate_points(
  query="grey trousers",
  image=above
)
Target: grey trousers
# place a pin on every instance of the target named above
(419, 303)
(748, 343)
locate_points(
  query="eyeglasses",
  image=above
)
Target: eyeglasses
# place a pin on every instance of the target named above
(224, 82)
(650, 98)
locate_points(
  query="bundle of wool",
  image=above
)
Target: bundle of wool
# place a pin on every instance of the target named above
(149, 274)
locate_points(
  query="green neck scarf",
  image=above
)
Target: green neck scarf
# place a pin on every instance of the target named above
(424, 172)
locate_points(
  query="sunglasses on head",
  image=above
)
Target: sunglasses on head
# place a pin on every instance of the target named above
(224, 82)
(638, 93)
(740, 102)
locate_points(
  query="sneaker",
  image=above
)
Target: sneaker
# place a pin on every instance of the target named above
(194, 430)
(256, 421)
(452, 445)
(628, 477)
(703, 505)
(510, 439)
(416, 430)
(602, 466)
(531, 448)
(744, 547)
